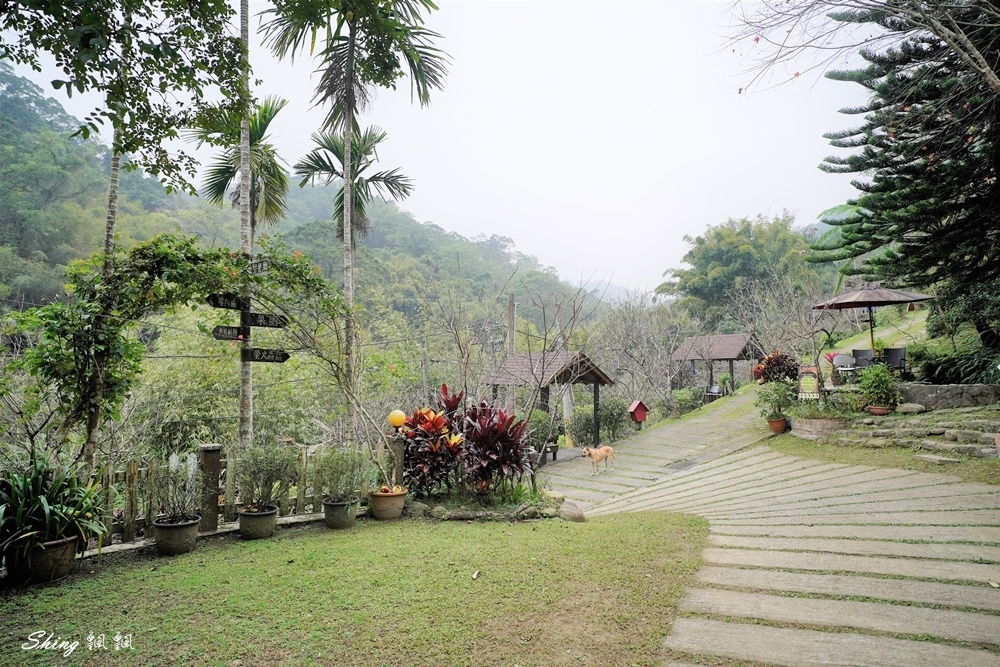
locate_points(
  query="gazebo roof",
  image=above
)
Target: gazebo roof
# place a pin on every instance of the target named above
(547, 368)
(717, 348)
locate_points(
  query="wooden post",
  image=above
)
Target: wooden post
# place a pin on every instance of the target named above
(396, 447)
(317, 487)
(301, 481)
(211, 467)
(151, 509)
(229, 511)
(544, 400)
(597, 414)
(109, 501)
(131, 501)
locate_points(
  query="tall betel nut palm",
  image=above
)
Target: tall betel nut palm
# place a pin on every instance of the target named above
(326, 163)
(360, 43)
(268, 176)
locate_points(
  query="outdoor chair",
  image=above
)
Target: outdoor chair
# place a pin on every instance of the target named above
(712, 393)
(862, 358)
(895, 358)
(844, 364)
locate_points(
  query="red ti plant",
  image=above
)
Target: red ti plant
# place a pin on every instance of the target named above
(432, 451)
(499, 454)
(449, 402)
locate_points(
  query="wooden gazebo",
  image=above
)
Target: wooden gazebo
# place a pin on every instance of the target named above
(545, 369)
(727, 347)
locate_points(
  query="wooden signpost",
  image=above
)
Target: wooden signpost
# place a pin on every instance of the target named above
(248, 320)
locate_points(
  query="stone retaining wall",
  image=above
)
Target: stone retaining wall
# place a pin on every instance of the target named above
(939, 396)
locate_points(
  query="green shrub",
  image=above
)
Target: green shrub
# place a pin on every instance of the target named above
(878, 385)
(581, 426)
(342, 474)
(687, 399)
(774, 398)
(937, 362)
(613, 413)
(264, 474)
(541, 429)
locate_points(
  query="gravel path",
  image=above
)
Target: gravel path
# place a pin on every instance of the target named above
(810, 563)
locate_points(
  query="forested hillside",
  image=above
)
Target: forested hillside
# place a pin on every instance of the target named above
(53, 197)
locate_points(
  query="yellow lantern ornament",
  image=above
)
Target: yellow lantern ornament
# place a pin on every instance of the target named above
(397, 418)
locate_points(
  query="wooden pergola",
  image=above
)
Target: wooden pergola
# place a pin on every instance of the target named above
(545, 369)
(727, 347)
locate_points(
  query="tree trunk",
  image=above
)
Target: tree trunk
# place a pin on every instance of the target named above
(111, 219)
(246, 236)
(349, 361)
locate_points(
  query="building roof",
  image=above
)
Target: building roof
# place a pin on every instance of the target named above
(717, 348)
(544, 369)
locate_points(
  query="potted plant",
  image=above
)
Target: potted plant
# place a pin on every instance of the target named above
(816, 419)
(177, 496)
(878, 388)
(342, 475)
(47, 516)
(263, 475)
(774, 399)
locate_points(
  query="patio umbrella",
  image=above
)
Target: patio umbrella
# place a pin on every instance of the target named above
(870, 298)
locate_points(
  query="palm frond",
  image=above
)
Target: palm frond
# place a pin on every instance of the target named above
(297, 24)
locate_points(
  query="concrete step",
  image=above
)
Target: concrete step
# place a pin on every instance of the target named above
(978, 596)
(899, 567)
(793, 647)
(959, 626)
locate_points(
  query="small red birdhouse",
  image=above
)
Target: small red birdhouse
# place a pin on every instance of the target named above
(638, 411)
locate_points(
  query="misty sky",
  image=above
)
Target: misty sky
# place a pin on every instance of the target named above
(594, 134)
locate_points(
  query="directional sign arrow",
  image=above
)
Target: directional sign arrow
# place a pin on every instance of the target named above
(228, 301)
(268, 320)
(259, 266)
(263, 354)
(230, 333)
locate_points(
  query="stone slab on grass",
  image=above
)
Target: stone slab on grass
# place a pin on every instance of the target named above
(976, 502)
(928, 518)
(903, 567)
(934, 458)
(955, 552)
(960, 626)
(979, 596)
(985, 534)
(792, 647)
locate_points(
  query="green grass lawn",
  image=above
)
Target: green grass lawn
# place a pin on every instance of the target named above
(409, 593)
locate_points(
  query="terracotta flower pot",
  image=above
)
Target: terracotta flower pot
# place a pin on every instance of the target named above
(878, 410)
(258, 525)
(51, 563)
(387, 506)
(173, 539)
(778, 425)
(339, 515)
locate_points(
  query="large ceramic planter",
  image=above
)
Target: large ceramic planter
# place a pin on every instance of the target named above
(778, 425)
(173, 539)
(258, 525)
(51, 563)
(878, 410)
(339, 515)
(386, 506)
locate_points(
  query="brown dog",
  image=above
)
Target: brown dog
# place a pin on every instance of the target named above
(597, 455)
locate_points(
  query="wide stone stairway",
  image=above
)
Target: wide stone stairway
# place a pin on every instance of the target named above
(813, 563)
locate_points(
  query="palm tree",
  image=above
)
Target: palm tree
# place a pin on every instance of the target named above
(363, 44)
(268, 177)
(326, 163)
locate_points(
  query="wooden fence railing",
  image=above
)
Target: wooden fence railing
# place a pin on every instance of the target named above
(130, 511)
